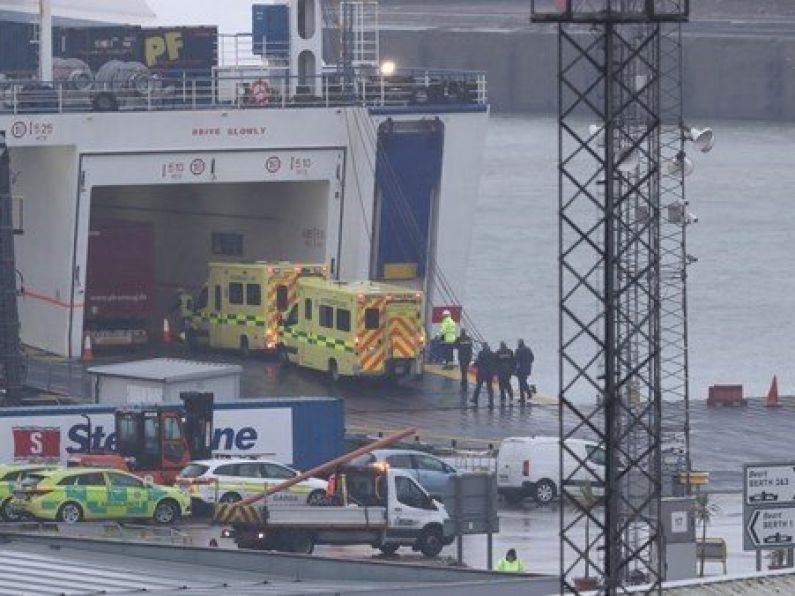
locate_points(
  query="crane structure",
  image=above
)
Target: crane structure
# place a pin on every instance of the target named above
(611, 165)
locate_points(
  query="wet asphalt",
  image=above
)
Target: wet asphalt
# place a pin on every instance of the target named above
(722, 438)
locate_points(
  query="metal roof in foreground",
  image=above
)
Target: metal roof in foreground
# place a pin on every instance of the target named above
(41, 564)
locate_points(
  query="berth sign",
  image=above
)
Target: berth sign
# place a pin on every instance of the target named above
(770, 484)
(769, 505)
(770, 528)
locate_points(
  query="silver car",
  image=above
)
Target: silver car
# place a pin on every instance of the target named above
(431, 472)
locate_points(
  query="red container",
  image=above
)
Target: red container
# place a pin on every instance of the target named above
(726, 395)
(121, 270)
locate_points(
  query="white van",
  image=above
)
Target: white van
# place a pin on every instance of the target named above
(530, 467)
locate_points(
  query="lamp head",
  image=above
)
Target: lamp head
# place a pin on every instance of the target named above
(388, 68)
(681, 164)
(703, 139)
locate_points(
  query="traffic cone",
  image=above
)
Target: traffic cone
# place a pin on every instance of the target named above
(88, 352)
(166, 331)
(772, 394)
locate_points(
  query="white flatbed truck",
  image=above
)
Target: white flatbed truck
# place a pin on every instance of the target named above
(381, 508)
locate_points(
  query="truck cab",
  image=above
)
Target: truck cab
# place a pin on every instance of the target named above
(157, 441)
(383, 508)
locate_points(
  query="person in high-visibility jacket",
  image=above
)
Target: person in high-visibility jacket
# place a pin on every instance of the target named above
(184, 307)
(510, 563)
(448, 334)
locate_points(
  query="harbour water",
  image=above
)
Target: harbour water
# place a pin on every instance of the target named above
(741, 290)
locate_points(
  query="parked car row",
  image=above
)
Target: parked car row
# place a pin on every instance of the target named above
(74, 494)
(526, 467)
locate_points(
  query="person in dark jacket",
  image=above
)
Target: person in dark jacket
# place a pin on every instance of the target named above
(524, 368)
(506, 365)
(485, 364)
(464, 346)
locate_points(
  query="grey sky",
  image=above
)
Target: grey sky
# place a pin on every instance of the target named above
(231, 16)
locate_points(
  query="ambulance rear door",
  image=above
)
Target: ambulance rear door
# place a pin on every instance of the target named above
(405, 329)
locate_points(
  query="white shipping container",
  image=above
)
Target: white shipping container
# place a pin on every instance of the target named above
(161, 380)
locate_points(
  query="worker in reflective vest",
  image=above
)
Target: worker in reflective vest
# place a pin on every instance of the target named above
(185, 308)
(448, 335)
(510, 564)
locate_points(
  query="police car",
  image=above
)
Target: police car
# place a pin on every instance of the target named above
(10, 477)
(72, 494)
(230, 480)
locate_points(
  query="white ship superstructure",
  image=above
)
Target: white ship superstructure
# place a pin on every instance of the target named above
(269, 155)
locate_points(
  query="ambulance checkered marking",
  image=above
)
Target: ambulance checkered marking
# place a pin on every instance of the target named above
(237, 320)
(314, 339)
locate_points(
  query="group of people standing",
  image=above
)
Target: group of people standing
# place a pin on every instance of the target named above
(502, 364)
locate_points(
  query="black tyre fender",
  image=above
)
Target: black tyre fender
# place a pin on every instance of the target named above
(431, 541)
(545, 491)
(166, 512)
(230, 497)
(65, 513)
(333, 370)
(6, 513)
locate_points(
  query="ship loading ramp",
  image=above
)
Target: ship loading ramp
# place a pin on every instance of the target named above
(40, 563)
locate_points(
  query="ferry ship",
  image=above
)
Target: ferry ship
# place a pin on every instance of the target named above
(297, 141)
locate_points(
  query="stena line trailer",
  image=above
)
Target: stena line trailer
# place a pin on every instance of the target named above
(300, 432)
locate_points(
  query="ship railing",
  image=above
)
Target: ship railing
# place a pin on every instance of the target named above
(246, 50)
(243, 87)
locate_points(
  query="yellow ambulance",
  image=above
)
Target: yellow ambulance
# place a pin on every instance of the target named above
(359, 328)
(243, 303)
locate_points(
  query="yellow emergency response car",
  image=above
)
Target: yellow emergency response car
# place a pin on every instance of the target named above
(242, 305)
(11, 477)
(71, 495)
(359, 328)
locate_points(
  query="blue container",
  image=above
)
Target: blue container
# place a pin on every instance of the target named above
(271, 29)
(17, 53)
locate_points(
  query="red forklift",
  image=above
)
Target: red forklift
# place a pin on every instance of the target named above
(157, 441)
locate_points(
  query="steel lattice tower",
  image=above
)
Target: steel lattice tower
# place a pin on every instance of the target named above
(674, 220)
(610, 266)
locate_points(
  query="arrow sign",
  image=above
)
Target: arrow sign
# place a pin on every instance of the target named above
(771, 528)
(770, 484)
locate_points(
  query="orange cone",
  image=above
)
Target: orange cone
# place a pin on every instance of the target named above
(772, 394)
(88, 352)
(166, 331)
